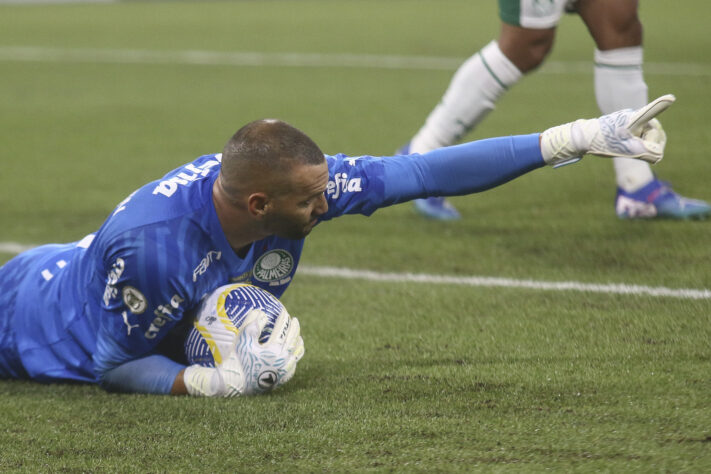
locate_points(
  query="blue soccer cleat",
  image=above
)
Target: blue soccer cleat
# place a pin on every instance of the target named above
(432, 207)
(436, 208)
(657, 200)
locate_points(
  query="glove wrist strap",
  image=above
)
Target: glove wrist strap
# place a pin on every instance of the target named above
(203, 381)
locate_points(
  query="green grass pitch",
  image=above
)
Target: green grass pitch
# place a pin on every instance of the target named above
(97, 99)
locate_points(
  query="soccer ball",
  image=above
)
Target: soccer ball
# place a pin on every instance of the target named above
(220, 316)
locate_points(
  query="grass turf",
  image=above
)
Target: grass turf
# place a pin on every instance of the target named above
(397, 376)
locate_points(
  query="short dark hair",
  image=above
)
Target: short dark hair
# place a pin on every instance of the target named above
(266, 146)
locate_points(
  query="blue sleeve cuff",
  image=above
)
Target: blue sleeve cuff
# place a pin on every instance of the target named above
(153, 374)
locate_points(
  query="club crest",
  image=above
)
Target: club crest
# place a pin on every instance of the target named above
(273, 266)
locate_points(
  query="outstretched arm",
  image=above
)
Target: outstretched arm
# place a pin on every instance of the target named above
(477, 166)
(364, 184)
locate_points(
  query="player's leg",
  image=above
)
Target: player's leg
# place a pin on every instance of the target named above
(480, 82)
(526, 37)
(619, 83)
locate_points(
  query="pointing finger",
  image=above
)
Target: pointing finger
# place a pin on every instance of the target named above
(648, 112)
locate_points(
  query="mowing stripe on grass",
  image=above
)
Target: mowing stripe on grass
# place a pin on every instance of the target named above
(482, 281)
(337, 60)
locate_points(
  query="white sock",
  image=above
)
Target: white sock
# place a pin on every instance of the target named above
(472, 93)
(619, 84)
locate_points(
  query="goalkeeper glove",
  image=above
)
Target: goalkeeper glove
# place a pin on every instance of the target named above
(626, 133)
(251, 367)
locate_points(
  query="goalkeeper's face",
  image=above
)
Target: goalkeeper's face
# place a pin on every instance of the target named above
(293, 213)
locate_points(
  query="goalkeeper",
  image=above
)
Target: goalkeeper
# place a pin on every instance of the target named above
(103, 309)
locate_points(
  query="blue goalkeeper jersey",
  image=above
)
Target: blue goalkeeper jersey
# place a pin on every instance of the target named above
(88, 307)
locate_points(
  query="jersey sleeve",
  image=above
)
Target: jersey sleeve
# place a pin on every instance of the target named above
(143, 299)
(355, 185)
(151, 374)
(366, 183)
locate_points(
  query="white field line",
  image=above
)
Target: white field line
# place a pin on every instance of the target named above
(481, 281)
(47, 2)
(335, 60)
(14, 248)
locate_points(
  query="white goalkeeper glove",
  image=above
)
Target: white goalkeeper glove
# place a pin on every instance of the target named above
(626, 133)
(251, 367)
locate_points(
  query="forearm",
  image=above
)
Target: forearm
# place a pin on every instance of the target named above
(152, 374)
(462, 169)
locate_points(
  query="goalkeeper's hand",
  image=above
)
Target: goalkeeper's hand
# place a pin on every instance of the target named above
(626, 133)
(252, 367)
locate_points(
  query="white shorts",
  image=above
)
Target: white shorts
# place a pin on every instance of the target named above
(535, 14)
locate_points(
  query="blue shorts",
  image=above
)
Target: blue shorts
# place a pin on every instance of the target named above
(10, 277)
